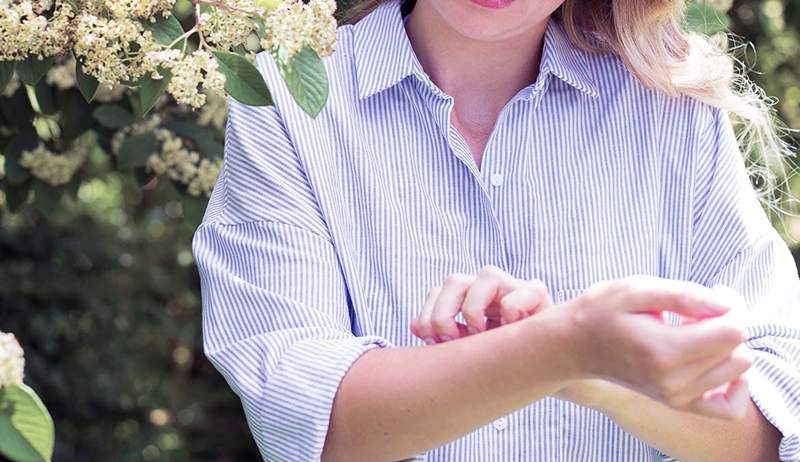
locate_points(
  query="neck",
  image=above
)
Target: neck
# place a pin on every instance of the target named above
(491, 70)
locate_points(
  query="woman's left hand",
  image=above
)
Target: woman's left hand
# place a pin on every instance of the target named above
(486, 300)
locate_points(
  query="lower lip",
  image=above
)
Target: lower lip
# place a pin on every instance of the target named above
(496, 4)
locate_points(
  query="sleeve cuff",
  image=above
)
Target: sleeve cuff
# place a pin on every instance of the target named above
(774, 388)
(298, 399)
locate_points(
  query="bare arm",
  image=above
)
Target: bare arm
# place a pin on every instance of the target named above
(394, 403)
(691, 437)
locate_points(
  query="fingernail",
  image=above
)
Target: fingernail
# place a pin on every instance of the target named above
(445, 338)
(429, 341)
(472, 330)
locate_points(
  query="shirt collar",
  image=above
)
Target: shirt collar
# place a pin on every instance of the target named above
(384, 56)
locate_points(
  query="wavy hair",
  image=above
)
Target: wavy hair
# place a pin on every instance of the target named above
(662, 54)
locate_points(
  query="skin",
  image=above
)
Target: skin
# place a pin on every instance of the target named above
(479, 56)
(482, 57)
(495, 298)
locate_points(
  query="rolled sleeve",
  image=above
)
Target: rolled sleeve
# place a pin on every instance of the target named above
(736, 246)
(276, 311)
(763, 275)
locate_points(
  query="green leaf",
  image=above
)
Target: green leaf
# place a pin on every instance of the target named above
(193, 210)
(33, 69)
(150, 90)
(25, 141)
(46, 198)
(135, 150)
(26, 428)
(87, 84)
(6, 73)
(75, 116)
(166, 30)
(242, 80)
(204, 138)
(16, 195)
(112, 116)
(307, 81)
(706, 19)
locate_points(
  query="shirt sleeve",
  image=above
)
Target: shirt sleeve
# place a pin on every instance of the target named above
(276, 317)
(735, 245)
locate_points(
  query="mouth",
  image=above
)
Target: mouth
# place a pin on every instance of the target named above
(494, 4)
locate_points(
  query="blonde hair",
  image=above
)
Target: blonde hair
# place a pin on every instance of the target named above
(649, 37)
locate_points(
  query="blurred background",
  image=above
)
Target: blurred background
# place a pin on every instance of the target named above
(101, 288)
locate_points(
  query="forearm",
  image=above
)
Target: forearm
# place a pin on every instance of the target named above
(690, 437)
(394, 403)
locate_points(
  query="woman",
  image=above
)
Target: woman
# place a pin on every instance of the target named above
(470, 148)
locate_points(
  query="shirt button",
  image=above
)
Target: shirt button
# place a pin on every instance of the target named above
(496, 179)
(500, 424)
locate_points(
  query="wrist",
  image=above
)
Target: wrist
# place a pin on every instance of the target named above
(556, 324)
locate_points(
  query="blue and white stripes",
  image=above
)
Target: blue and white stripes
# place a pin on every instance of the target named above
(323, 235)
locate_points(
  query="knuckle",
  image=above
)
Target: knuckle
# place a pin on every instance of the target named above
(539, 287)
(439, 322)
(455, 280)
(490, 271)
(621, 285)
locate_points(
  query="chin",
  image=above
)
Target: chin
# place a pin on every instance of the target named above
(490, 20)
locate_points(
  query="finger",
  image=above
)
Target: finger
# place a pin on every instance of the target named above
(730, 404)
(523, 301)
(448, 304)
(643, 293)
(491, 284)
(709, 338)
(720, 374)
(423, 324)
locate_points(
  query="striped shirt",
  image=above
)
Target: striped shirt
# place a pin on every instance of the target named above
(323, 236)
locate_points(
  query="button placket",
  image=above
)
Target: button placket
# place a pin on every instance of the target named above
(496, 179)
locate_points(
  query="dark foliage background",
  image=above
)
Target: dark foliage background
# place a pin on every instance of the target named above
(103, 293)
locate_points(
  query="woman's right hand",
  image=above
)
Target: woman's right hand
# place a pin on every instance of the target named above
(696, 366)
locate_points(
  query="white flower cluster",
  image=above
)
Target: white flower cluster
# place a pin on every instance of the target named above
(62, 75)
(295, 25)
(26, 31)
(113, 50)
(215, 112)
(183, 165)
(227, 28)
(56, 169)
(12, 360)
(190, 74)
(112, 40)
(138, 8)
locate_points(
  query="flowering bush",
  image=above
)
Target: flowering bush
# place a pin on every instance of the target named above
(143, 84)
(26, 428)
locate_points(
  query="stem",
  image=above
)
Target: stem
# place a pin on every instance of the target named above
(185, 35)
(33, 99)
